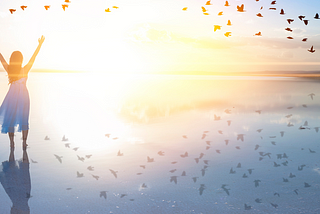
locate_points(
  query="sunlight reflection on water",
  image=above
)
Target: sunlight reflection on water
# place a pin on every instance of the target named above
(147, 114)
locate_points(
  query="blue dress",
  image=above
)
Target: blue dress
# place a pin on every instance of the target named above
(14, 111)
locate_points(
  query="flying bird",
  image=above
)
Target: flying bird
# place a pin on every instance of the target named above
(259, 15)
(12, 10)
(301, 17)
(204, 9)
(288, 29)
(107, 10)
(240, 8)
(247, 207)
(220, 13)
(273, 2)
(202, 188)
(103, 194)
(306, 22)
(229, 121)
(59, 158)
(23, 7)
(79, 175)
(114, 173)
(47, 7)
(317, 16)
(174, 179)
(311, 50)
(229, 23)
(312, 94)
(258, 34)
(282, 12)
(161, 153)
(215, 28)
(290, 20)
(115, 7)
(184, 9)
(227, 4)
(208, 3)
(150, 159)
(240, 137)
(64, 6)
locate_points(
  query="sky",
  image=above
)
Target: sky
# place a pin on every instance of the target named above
(159, 36)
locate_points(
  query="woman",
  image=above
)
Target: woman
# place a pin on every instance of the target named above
(14, 110)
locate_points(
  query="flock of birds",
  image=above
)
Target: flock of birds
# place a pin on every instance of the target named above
(277, 160)
(240, 8)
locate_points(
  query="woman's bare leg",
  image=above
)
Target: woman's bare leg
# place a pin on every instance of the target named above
(24, 138)
(11, 137)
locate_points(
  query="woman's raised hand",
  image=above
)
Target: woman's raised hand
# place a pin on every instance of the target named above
(41, 40)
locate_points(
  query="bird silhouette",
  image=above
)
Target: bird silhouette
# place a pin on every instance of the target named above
(90, 168)
(232, 171)
(173, 170)
(244, 175)
(59, 158)
(103, 194)
(75, 149)
(258, 200)
(203, 136)
(289, 37)
(225, 189)
(316, 16)
(282, 133)
(64, 6)
(186, 154)
(114, 173)
(256, 183)
(208, 3)
(290, 20)
(80, 158)
(202, 188)
(115, 7)
(12, 10)
(201, 155)
(220, 13)
(229, 121)
(282, 12)
(291, 175)
(88, 156)
(256, 147)
(250, 171)
(306, 184)
(227, 34)
(95, 177)
(274, 205)
(296, 191)
(273, 2)
(301, 17)
(184, 173)
(46, 138)
(276, 194)
(64, 138)
(239, 165)
(194, 179)
(285, 179)
(47, 7)
(311, 50)
(119, 153)
(143, 186)
(204, 9)
(311, 95)
(107, 135)
(174, 179)
(79, 175)
(240, 137)
(247, 207)
(149, 160)
(288, 29)
(259, 15)
(184, 9)
(227, 4)
(215, 116)
(306, 22)
(311, 151)
(258, 34)
(240, 8)
(215, 28)
(227, 142)
(275, 164)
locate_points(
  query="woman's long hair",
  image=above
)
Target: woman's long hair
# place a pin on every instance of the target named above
(14, 68)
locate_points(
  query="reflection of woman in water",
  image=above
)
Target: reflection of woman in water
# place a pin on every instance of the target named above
(15, 179)
(14, 110)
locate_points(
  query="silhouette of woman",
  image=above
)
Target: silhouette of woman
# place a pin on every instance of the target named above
(15, 179)
(14, 110)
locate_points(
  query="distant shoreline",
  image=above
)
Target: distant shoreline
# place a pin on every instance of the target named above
(310, 74)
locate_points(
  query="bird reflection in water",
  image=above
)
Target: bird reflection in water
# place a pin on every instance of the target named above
(15, 179)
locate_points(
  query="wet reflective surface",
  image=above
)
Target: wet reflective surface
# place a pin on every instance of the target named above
(165, 144)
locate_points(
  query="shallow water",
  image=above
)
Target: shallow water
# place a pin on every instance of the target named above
(142, 115)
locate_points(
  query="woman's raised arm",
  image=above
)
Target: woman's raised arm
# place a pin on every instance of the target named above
(4, 63)
(28, 66)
